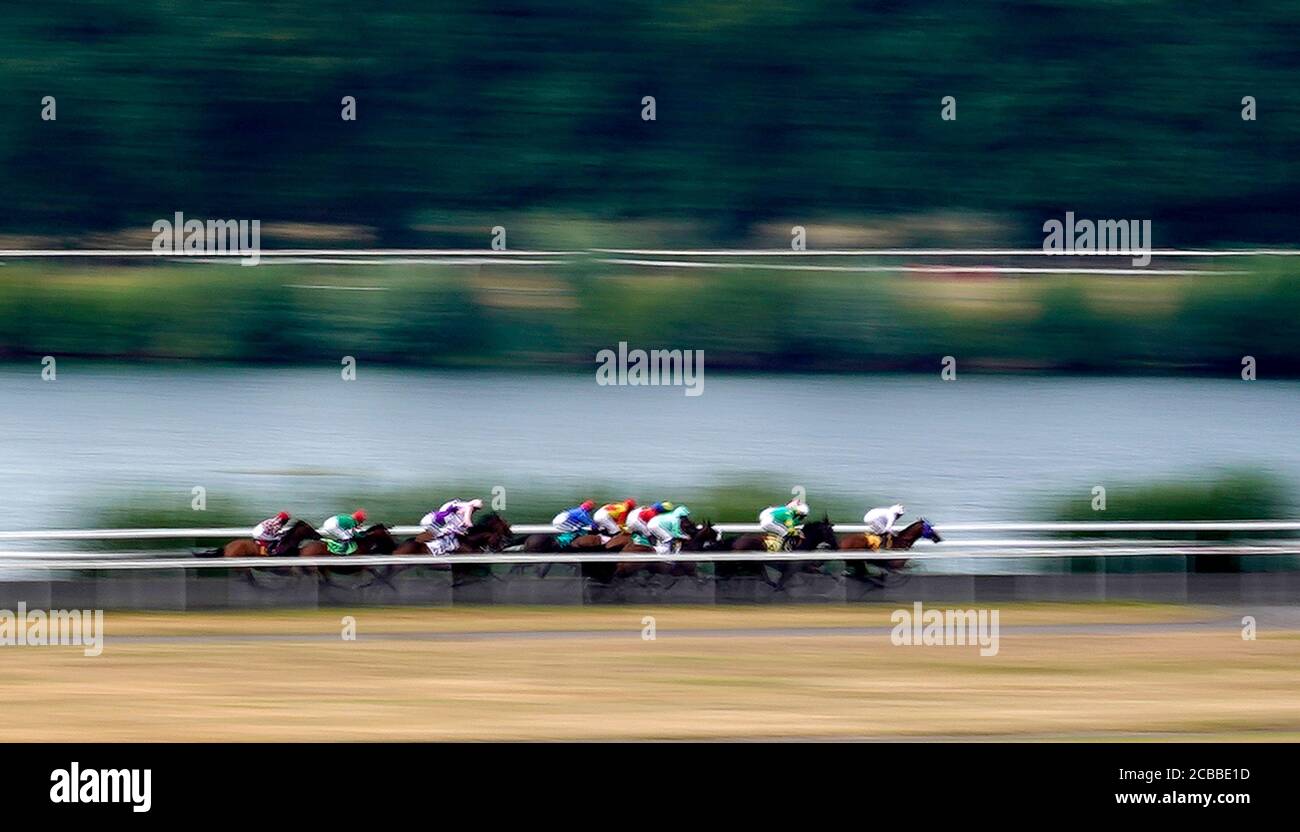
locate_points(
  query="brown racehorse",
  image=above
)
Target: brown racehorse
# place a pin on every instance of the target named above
(537, 543)
(897, 541)
(593, 542)
(812, 537)
(491, 534)
(246, 547)
(373, 541)
(698, 538)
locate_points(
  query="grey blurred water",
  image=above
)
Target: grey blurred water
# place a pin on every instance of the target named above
(979, 448)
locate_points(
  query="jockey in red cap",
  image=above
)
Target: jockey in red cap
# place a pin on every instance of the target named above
(269, 531)
(611, 518)
(344, 527)
(637, 521)
(573, 522)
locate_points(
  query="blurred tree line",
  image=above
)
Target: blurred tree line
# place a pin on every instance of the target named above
(784, 111)
(561, 316)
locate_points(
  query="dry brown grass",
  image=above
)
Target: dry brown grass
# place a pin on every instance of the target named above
(1206, 683)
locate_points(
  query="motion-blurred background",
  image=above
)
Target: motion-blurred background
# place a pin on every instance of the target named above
(820, 371)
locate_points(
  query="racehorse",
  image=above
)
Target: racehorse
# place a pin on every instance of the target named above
(375, 540)
(895, 541)
(246, 547)
(490, 534)
(593, 542)
(812, 536)
(699, 538)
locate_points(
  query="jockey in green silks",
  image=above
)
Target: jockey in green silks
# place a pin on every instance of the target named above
(666, 530)
(780, 521)
(341, 529)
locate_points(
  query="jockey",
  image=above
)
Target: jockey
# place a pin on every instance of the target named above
(779, 521)
(454, 517)
(881, 520)
(448, 523)
(268, 533)
(637, 520)
(576, 519)
(611, 518)
(344, 527)
(666, 529)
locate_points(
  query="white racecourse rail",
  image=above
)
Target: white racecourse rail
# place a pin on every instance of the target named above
(969, 548)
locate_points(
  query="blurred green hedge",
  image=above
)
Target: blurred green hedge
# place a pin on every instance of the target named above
(1226, 495)
(562, 316)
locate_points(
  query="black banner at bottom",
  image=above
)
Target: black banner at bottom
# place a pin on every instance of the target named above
(742, 782)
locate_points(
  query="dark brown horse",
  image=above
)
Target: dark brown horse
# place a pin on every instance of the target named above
(698, 539)
(592, 542)
(811, 537)
(375, 540)
(490, 534)
(896, 541)
(246, 547)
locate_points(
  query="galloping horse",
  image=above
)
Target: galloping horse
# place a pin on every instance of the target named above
(698, 539)
(896, 541)
(286, 546)
(812, 537)
(375, 540)
(490, 534)
(594, 542)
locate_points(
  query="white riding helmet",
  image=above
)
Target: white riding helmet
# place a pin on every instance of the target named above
(898, 510)
(797, 507)
(476, 503)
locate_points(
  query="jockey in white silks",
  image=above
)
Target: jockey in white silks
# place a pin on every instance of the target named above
(268, 533)
(881, 520)
(638, 518)
(610, 519)
(448, 523)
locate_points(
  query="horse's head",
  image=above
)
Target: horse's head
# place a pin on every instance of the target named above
(379, 539)
(819, 533)
(302, 530)
(689, 527)
(491, 533)
(490, 523)
(928, 532)
(704, 537)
